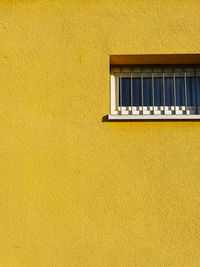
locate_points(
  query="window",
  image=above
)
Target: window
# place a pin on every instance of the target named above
(155, 92)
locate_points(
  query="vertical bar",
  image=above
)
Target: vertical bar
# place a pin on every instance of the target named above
(191, 92)
(196, 91)
(161, 94)
(174, 93)
(152, 78)
(171, 94)
(163, 79)
(142, 92)
(120, 100)
(185, 87)
(131, 93)
(117, 93)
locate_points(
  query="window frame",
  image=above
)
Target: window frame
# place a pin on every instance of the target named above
(153, 112)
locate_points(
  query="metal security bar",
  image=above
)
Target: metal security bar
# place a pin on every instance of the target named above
(155, 90)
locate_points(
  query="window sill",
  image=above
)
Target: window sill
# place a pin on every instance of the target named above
(153, 117)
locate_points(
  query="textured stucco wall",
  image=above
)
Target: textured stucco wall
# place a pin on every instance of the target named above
(76, 191)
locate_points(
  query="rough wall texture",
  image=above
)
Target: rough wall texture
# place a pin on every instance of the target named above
(76, 191)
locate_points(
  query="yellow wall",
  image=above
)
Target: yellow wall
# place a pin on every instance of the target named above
(76, 191)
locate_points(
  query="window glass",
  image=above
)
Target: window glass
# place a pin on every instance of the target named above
(171, 96)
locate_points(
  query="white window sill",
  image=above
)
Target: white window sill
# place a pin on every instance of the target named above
(154, 117)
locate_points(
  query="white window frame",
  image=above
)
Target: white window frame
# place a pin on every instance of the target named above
(148, 112)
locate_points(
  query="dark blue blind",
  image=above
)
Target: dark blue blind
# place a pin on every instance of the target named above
(192, 91)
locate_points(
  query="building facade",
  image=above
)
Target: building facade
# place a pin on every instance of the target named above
(77, 189)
